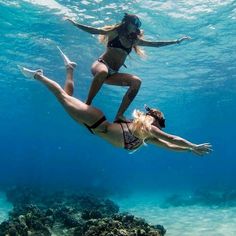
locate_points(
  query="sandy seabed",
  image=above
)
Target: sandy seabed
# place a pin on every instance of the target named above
(5, 207)
(182, 220)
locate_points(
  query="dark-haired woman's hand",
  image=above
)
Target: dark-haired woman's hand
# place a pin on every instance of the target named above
(183, 38)
(70, 20)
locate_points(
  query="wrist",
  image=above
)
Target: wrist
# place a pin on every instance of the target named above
(177, 41)
(190, 149)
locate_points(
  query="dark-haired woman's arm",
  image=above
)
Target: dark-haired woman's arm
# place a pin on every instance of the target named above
(143, 42)
(88, 29)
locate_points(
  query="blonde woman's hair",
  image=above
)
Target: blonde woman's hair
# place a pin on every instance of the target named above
(109, 28)
(141, 125)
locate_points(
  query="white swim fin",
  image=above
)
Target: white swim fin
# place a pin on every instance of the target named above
(66, 60)
(29, 73)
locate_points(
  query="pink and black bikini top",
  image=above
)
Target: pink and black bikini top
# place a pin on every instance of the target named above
(131, 142)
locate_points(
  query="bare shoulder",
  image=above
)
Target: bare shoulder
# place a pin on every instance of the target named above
(112, 34)
(142, 42)
(158, 133)
(154, 130)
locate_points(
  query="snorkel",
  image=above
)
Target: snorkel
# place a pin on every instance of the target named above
(156, 115)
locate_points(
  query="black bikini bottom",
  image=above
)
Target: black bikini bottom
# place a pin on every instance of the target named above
(95, 125)
(110, 70)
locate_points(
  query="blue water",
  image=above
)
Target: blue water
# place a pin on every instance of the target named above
(193, 83)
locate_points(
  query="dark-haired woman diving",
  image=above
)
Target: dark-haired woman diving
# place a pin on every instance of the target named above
(120, 39)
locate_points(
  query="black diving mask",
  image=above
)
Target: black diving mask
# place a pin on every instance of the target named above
(133, 19)
(150, 112)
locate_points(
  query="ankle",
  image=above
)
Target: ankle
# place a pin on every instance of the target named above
(38, 75)
(69, 69)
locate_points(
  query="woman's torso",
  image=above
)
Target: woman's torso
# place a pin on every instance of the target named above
(115, 56)
(113, 134)
(120, 135)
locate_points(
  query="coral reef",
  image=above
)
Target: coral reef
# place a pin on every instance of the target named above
(37, 213)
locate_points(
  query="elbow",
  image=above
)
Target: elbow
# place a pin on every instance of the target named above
(96, 32)
(175, 139)
(170, 146)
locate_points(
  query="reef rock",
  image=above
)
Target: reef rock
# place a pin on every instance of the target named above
(61, 214)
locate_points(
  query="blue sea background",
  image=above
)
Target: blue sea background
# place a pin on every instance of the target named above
(193, 83)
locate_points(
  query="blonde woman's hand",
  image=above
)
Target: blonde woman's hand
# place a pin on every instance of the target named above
(202, 149)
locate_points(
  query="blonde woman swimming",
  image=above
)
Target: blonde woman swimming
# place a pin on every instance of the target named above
(144, 128)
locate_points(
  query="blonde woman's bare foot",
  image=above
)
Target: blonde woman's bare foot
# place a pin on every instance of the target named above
(30, 73)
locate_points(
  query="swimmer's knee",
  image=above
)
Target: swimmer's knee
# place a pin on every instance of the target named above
(65, 98)
(136, 82)
(102, 73)
(101, 76)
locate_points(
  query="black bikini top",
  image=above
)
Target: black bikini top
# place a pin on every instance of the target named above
(115, 43)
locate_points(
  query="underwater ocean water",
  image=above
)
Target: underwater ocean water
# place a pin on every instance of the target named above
(193, 83)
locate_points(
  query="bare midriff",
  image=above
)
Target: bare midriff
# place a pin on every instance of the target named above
(114, 57)
(114, 135)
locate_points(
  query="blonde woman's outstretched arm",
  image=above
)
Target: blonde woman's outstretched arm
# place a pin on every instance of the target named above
(167, 145)
(173, 147)
(175, 142)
